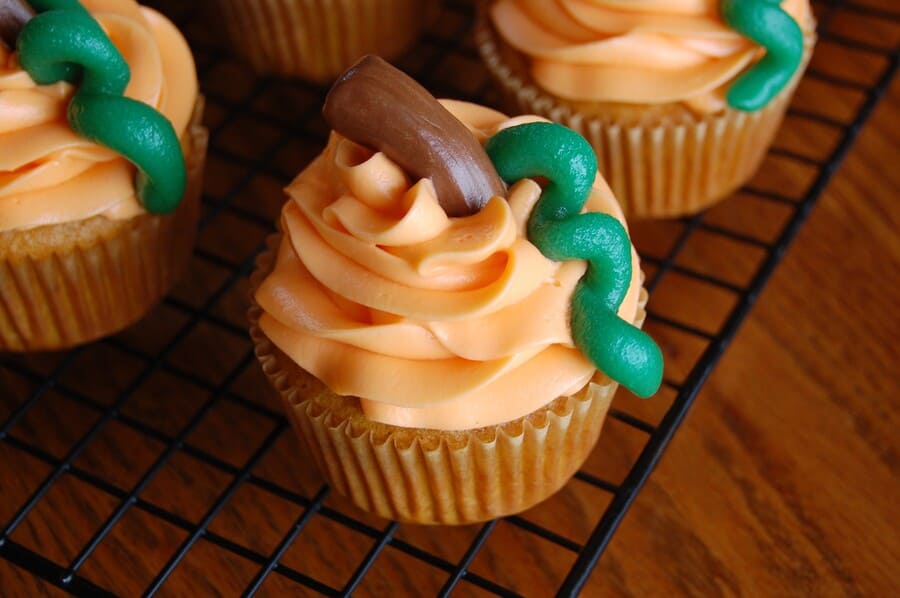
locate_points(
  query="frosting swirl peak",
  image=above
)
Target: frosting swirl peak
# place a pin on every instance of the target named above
(432, 321)
(631, 51)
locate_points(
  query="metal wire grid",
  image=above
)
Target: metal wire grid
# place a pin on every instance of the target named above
(47, 377)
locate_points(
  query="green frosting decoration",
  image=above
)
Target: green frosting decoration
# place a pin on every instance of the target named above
(559, 229)
(767, 24)
(65, 43)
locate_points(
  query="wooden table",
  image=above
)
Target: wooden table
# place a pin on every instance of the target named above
(784, 478)
(164, 445)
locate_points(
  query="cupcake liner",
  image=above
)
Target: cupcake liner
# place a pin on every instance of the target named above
(319, 39)
(432, 476)
(70, 283)
(662, 164)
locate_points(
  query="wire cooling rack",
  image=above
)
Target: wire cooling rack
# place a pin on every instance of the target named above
(158, 459)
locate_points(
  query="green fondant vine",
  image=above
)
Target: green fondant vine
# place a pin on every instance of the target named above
(559, 229)
(64, 43)
(766, 23)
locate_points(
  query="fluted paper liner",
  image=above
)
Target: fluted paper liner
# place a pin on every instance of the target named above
(432, 476)
(319, 39)
(658, 167)
(70, 283)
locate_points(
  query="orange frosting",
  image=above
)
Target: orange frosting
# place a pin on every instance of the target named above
(631, 51)
(432, 321)
(50, 175)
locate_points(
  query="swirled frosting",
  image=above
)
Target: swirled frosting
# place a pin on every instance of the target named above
(432, 321)
(631, 51)
(50, 175)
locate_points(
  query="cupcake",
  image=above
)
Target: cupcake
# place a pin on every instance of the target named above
(99, 190)
(680, 100)
(317, 40)
(446, 333)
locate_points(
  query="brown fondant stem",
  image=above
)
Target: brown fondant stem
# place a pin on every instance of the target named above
(380, 107)
(13, 16)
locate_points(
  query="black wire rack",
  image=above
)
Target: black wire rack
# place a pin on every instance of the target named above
(161, 448)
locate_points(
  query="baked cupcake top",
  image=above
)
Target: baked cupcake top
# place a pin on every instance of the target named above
(51, 174)
(657, 51)
(438, 321)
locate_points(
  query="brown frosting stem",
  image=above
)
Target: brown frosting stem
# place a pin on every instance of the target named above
(13, 16)
(377, 105)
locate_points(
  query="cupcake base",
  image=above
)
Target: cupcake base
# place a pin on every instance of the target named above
(432, 476)
(67, 284)
(318, 39)
(660, 161)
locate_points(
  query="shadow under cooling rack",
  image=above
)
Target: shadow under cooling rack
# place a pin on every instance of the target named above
(157, 458)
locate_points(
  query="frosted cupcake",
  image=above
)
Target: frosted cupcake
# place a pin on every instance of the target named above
(318, 39)
(99, 192)
(442, 354)
(680, 99)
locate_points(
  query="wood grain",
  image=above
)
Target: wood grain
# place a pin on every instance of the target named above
(784, 478)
